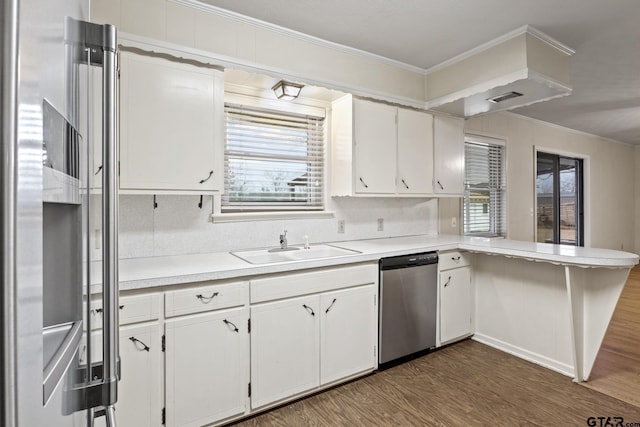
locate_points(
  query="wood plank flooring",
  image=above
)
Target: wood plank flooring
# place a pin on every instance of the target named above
(464, 384)
(616, 371)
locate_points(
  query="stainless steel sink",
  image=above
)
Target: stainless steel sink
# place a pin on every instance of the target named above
(266, 256)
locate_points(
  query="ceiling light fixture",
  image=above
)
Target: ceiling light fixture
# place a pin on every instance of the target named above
(286, 90)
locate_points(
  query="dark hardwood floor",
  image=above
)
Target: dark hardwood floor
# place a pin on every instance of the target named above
(464, 384)
(616, 371)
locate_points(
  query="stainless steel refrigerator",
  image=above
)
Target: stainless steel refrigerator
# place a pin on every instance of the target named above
(58, 193)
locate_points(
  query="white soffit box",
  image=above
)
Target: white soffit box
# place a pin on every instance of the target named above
(521, 68)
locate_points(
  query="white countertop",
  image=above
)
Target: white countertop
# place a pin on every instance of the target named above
(138, 273)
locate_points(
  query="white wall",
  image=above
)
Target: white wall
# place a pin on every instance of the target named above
(178, 226)
(611, 203)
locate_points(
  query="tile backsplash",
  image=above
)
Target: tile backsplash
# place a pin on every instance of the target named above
(178, 226)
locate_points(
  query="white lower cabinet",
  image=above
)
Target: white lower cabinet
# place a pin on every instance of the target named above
(206, 367)
(455, 299)
(139, 389)
(284, 349)
(141, 370)
(300, 343)
(348, 323)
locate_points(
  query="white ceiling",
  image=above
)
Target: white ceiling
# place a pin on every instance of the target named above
(605, 69)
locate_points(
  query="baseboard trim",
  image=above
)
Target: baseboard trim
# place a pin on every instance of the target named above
(530, 356)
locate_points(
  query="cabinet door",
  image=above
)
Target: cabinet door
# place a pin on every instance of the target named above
(348, 332)
(139, 389)
(284, 349)
(206, 367)
(171, 123)
(455, 304)
(448, 140)
(375, 147)
(415, 152)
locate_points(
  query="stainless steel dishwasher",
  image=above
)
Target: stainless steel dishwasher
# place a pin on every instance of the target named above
(408, 302)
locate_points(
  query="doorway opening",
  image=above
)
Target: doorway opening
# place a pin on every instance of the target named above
(559, 199)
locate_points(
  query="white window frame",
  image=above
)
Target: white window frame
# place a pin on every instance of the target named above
(317, 109)
(586, 189)
(497, 141)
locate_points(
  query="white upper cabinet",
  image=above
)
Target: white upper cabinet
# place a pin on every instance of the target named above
(172, 126)
(415, 152)
(375, 147)
(448, 175)
(380, 150)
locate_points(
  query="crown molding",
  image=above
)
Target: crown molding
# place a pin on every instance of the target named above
(525, 29)
(207, 8)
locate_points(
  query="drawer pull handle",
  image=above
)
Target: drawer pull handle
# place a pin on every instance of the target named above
(226, 322)
(405, 184)
(448, 281)
(441, 187)
(363, 183)
(207, 299)
(330, 305)
(137, 341)
(455, 258)
(202, 181)
(311, 312)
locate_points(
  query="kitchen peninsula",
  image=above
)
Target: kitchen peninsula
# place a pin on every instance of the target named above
(548, 304)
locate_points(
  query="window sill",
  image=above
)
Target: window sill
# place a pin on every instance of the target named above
(269, 216)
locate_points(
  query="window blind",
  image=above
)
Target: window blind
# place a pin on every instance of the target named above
(273, 160)
(484, 210)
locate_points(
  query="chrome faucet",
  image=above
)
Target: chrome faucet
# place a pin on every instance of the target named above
(283, 240)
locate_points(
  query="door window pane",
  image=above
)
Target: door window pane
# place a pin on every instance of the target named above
(559, 217)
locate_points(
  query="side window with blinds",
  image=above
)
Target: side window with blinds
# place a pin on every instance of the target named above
(274, 161)
(484, 210)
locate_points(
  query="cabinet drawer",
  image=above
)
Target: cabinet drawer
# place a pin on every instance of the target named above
(316, 281)
(206, 298)
(133, 309)
(454, 259)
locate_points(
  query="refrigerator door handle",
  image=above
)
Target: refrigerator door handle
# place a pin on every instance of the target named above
(109, 215)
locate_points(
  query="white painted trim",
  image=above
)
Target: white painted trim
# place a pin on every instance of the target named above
(550, 41)
(479, 88)
(269, 216)
(485, 138)
(586, 191)
(207, 8)
(536, 358)
(501, 39)
(179, 51)
(549, 81)
(522, 74)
